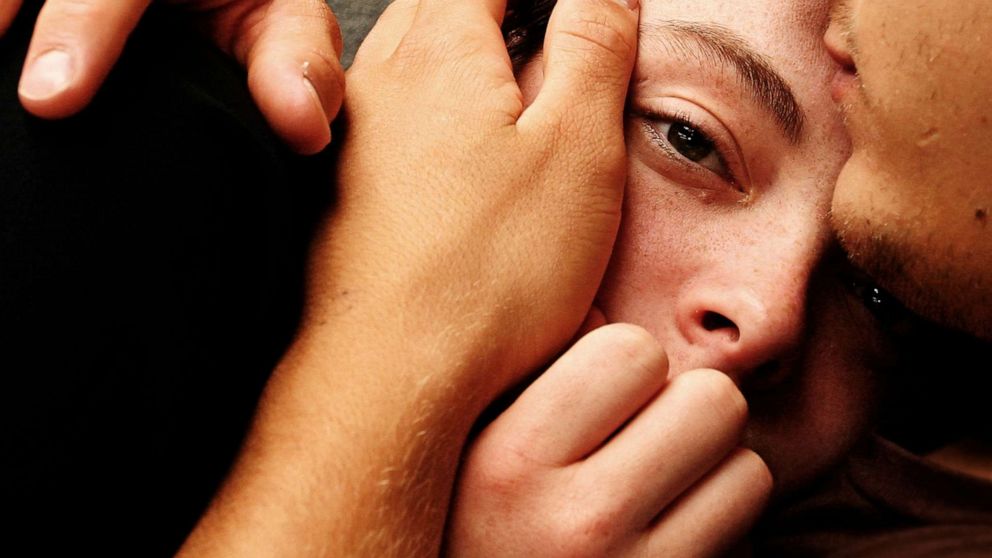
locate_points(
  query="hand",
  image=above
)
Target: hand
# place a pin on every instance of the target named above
(468, 239)
(289, 47)
(602, 457)
(480, 217)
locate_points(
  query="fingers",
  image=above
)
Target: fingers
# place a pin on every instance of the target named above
(495, 9)
(434, 15)
(453, 50)
(589, 52)
(290, 47)
(294, 72)
(715, 513)
(585, 396)
(75, 43)
(696, 420)
(388, 31)
(8, 11)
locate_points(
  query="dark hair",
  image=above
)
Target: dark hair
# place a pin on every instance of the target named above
(939, 392)
(523, 29)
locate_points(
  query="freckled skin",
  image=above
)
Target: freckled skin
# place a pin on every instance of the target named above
(688, 262)
(911, 204)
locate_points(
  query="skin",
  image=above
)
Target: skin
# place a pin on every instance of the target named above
(290, 49)
(409, 334)
(252, 500)
(912, 205)
(741, 277)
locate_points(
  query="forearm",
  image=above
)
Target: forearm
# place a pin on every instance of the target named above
(443, 277)
(355, 445)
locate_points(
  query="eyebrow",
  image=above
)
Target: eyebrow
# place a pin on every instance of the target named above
(714, 44)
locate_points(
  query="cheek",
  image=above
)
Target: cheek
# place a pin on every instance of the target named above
(666, 244)
(868, 201)
(650, 260)
(831, 403)
(854, 192)
(923, 123)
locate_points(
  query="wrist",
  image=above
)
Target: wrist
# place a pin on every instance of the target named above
(422, 322)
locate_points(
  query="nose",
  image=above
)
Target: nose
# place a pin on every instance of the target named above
(751, 330)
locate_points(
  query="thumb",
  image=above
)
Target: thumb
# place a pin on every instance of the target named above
(294, 72)
(589, 52)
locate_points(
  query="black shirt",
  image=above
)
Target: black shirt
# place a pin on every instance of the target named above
(885, 502)
(151, 262)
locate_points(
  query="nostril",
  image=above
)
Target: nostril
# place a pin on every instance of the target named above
(714, 321)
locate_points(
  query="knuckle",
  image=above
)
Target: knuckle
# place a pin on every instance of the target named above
(633, 346)
(629, 338)
(495, 481)
(497, 467)
(398, 8)
(331, 25)
(719, 394)
(318, 25)
(66, 15)
(584, 531)
(755, 470)
(643, 349)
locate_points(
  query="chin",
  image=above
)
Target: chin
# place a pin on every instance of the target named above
(806, 433)
(792, 463)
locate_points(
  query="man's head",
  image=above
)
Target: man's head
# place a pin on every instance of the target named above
(913, 206)
(725, 252)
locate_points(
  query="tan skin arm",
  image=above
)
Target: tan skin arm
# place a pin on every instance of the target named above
(445, 274)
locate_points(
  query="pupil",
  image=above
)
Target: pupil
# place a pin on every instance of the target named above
(690, 142)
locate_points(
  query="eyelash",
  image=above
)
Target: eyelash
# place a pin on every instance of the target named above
(650, 118)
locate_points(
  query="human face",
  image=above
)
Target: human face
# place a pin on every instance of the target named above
(913, 206)
(725, 253)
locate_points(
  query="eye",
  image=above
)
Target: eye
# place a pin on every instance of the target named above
(693, 144)
(879, 302)
(687, 143)
(890, 314)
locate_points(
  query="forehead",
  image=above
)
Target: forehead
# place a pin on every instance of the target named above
(788, 32)
(786, 36)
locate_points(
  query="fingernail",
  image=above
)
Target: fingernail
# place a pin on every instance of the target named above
(47, 76)
(311, 89)
(320, 105)
(630, 4)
